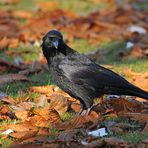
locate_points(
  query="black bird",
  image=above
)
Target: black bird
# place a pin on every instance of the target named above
(79, 76)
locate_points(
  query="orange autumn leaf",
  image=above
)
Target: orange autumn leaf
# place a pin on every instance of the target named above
(43, 89)
(47, 5)
(22, 127)
(22, 14)
(24, 135)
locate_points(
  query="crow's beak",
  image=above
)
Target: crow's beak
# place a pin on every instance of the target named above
(55, 43)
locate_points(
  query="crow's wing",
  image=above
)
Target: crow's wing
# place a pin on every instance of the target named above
(91, 74)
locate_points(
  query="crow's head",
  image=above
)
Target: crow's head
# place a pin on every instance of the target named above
(53, 39)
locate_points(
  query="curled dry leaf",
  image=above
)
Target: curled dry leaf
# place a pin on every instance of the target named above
(59, 103)
(124, 105)
(78, 121)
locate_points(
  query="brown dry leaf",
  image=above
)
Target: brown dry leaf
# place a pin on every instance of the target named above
(8, 78)
(47, 5)
(42, 101)
(25, 134)
(8, 100)
(37, 138)
(124, 105)
(23, 115)
(75, 107)
(44, 131)
(21, 127)
(44, 117)
(41, 111)
(4, 43)
(59, 103)
(138, 116)
(13, 43)
(78, 121)
(38, 121)
(22, 14)
(43, 89)
(4, 110)
(139, 79)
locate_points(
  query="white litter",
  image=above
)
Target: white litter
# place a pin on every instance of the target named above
(129, 45)
(7, 132)
(135, 28)
(98, 133)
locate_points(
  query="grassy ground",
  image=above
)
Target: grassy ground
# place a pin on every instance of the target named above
(110, 57)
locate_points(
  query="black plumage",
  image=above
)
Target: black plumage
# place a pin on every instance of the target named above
(79, 76)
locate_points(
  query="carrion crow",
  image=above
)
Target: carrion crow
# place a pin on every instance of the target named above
(80, 77)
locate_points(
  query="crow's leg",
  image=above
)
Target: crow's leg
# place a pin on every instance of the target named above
(90, 108)
(81, 109)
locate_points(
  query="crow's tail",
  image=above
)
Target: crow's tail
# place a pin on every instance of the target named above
(135, 91)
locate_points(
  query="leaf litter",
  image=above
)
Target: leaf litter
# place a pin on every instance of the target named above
(40, 120)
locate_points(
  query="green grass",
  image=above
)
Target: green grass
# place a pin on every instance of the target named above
(5, 143)
(137, 65)
(82, 45)
(133, 137)
(81, 7)
(67, 116)
(25, 52)
(12, 89)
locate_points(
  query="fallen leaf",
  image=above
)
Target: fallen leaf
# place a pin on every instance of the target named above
(22, 14)
(43, 89)
(78, 121)
(8, 100)
(4, 43)
(59, 103)
(22, 115)
(47, 5)
(22, 127)
(42, 101)
(24, 135)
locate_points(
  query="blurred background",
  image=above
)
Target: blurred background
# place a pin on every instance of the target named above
(111, 32)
